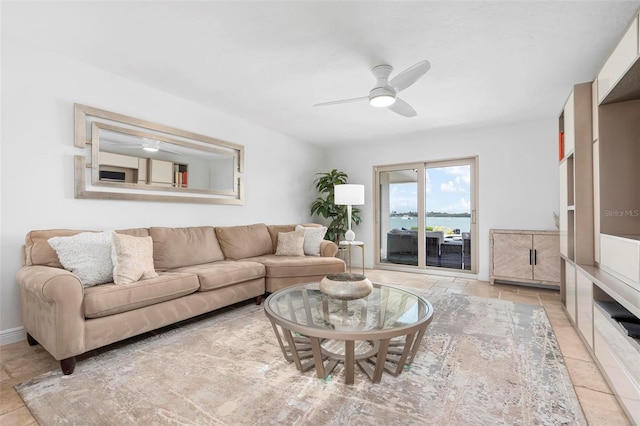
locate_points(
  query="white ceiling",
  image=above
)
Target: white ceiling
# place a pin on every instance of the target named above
(268, 62)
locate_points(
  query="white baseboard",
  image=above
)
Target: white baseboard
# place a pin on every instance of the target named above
(12, 335)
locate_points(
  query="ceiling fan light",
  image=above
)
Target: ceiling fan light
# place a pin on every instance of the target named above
(381, 97)
(381, 101)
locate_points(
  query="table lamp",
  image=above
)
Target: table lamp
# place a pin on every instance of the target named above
(347, 286)
(349, 195)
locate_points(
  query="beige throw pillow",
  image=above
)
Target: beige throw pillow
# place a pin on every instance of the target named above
(313, 237)
(132, 259)
(290, 243)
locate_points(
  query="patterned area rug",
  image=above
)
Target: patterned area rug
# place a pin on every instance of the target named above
(482, 362)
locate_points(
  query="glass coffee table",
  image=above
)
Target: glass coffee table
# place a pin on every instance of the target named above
(380, 332)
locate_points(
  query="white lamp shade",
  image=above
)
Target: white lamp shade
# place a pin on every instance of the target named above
(349, 194)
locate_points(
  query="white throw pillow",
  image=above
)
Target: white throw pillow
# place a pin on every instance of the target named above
(132, 259)
(290, 243)
(87, 254)
(313, 237)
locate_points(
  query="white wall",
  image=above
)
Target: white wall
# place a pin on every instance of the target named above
(517, 168)
(38, 93)
(518, 171)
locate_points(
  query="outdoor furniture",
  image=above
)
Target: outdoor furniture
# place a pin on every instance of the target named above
(451, 254)
(435, 239)
(466, 250)
(402, 246)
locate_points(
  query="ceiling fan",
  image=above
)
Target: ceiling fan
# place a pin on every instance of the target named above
(385, 92)
(146, 144)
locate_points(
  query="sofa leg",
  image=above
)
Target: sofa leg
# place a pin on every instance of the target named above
(258, 300)
(31, 341)
(67, 365)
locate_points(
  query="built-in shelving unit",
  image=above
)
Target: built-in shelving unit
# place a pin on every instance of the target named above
(115, 167)
(600, 216)
(168, 173)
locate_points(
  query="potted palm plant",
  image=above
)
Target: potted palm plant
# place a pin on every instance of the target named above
(324, 205)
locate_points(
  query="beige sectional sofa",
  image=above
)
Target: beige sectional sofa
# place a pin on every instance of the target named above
(199, 269)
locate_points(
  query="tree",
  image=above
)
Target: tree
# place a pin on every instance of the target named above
(324, 205)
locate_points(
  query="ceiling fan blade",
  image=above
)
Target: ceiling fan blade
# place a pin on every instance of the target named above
(344, 101)
(170, 151)
(409, 76)
(402, 108)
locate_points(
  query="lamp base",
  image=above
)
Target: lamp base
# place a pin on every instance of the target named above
(346, 286)
(349, 235)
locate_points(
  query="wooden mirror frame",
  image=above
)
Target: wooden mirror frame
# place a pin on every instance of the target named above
(90, 121)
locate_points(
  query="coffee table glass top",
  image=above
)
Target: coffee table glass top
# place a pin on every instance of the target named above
(385, 308)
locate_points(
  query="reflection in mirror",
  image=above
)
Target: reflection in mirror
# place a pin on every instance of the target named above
(140, 159)
(135, 159)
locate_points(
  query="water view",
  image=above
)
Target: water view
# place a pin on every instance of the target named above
(449, 223)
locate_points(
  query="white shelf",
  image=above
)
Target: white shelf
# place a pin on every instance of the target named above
(621, 292)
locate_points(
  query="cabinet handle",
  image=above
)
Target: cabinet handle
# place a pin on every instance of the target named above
(535, 256)
(530, 257)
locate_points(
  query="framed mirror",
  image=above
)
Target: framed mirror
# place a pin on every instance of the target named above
(133, 159)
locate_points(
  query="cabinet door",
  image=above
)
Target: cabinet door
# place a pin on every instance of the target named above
(547, 258)
(569, 131)
(162, 172)
(584, 307)
(511, 255)
(564, 221)
(619, 62)
(570, 290)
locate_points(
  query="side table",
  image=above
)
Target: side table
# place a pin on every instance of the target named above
(348, 245)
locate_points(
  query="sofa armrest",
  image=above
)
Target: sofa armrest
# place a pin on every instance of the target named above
(328, 249)
(52, 309)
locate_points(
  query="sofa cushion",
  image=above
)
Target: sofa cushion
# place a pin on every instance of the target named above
(132, 258)
(290, 243)
(239, 242)
(37, 250)
(87, 254)
(109, 299)
(224, 273)
(274, 230)
(296, 266)
(177, 247)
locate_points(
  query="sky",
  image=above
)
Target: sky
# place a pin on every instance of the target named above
(448, 189)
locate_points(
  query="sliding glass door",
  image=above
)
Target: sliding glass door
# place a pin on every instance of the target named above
(426, 214)
(398, 230)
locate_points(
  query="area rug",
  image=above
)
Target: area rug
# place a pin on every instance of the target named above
(482, 362)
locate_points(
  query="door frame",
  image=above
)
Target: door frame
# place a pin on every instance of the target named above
(420, 168)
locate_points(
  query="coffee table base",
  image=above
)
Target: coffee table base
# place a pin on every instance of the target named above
(390, 355)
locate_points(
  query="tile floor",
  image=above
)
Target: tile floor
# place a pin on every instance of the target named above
(21, 362)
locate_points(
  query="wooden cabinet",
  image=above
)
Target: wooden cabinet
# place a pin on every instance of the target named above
(569, 293)
(575, 173)
(619, 62)
(168, 173)
(584, 306)
(525, 257)
(161, 172)
(617, 356)
(600, 216)
(117, 168)
(117, 160)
